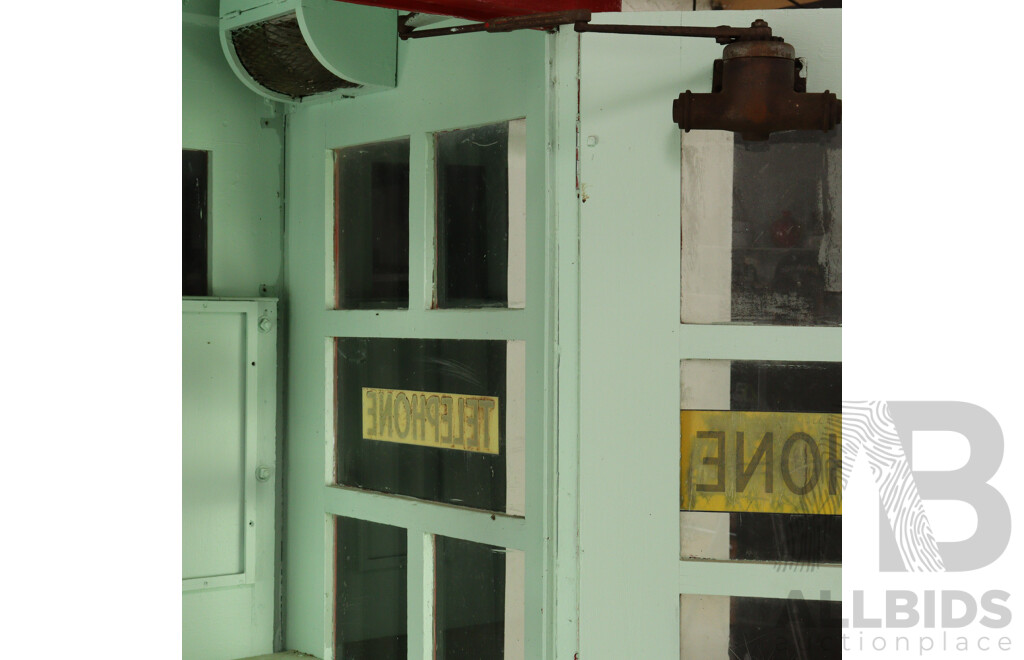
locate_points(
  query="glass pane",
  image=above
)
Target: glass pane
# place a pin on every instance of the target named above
(763, 482)
(371, 251)
(762, 239)
(370, 611)
(481, 216)
(427, 418)
(194, 222)
(724, 628)
(479, 607)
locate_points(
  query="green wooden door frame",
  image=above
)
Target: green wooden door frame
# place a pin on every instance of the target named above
(444, 84)
(631, 340)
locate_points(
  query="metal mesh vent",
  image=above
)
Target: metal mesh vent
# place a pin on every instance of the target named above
(274, 53)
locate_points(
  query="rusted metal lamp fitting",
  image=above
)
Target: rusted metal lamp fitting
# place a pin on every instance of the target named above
(756, 90)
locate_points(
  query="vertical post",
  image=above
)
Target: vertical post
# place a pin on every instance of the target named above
(704, 620)
(515, 428)
(564, 208)
(517, 214)
(330, 576)
(515, 611)
(706, 183)
(422, 238)
(420, 595)
(628, 351)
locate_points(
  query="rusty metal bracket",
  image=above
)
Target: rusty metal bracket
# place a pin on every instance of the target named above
(756, 87)
(757, 90)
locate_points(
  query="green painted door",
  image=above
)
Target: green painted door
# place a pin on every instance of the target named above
(687, 303)
(229, 385)
(421, 360)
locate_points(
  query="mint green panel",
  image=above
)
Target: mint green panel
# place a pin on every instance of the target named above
(243, 135)
(229, 376)
(213, 443)
(629, 314)
(629, 278)
(355, 42)
(229, 613)
(200, 7)
(235, 7)
(442, 84)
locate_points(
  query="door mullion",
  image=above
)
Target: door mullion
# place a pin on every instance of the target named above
(420, 601)
(421, 221)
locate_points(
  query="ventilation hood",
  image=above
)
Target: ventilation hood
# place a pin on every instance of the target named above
(299, 50)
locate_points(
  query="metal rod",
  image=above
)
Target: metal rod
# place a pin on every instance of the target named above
(580, 19)
(408, 33)
(721, 32)
(544, 21)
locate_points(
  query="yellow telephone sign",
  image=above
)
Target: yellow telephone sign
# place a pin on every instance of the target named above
(431, 419)
(763, 462)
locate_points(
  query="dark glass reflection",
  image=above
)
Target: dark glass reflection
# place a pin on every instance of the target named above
(814, 387)
(470, 614)
(371, 574)
(194, 222)
(771, 628)
(372, 225)
(787, 229)
(472, 217)
(425, 365)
